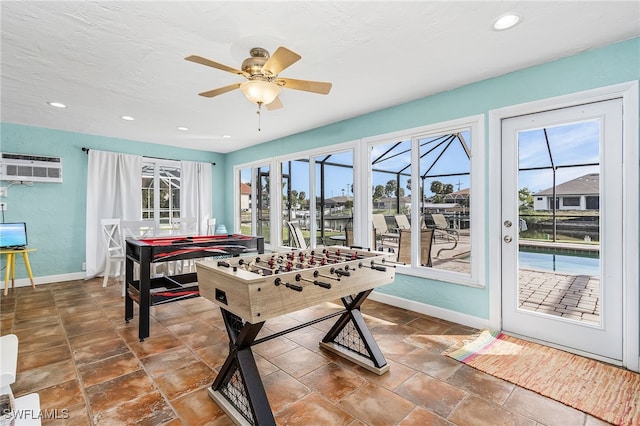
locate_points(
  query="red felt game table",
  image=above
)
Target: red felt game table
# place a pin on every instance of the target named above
(147, 291)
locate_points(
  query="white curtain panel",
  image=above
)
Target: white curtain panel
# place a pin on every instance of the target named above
(195, 192)
(113, 191)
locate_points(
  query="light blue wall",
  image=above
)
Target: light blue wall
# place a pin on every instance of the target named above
(55, 212)
(600, 67)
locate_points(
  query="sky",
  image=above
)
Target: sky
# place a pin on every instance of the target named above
(570, 144)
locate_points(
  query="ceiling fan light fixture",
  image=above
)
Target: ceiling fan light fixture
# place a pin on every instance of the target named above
(260, 92)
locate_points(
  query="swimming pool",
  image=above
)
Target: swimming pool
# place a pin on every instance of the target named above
(575, 265)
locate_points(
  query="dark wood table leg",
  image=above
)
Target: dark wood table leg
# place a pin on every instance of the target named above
(128, 280)
(145, 293)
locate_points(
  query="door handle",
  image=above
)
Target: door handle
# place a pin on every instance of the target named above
(507, 238)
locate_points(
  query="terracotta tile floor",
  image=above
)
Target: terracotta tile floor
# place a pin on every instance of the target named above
(78, 354)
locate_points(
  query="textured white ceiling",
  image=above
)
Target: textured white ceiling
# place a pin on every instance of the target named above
(105, 59)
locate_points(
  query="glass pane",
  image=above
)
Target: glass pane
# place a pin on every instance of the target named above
(244, 209)
(263, 205)
(391, 196)
(147, 197)
(334, 196)
(295, 198)
(445, 174)
(559, 221)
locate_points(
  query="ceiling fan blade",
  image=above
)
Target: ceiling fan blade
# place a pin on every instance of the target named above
(220, 90)
(306, 85)
(280, 60)
(276, 104)
(210, 63)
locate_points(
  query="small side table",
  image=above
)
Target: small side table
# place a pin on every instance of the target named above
(11, 266)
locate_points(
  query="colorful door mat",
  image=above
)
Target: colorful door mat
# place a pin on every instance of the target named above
(602, 390)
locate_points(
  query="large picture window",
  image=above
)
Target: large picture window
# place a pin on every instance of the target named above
(422, 204)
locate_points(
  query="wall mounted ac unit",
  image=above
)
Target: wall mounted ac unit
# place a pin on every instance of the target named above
(30, 168)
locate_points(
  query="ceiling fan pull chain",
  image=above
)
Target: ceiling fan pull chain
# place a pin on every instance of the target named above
(259, 115)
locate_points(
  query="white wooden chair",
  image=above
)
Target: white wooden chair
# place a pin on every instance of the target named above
(296, 235)
(114, 248)
(138, 229)
(186, 226)
(211, 226)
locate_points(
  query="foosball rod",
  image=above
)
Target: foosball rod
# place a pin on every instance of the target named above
(299, 277)
(344, 257)
(296, 287)
(373, 266)
(317, 274)
(250, 265)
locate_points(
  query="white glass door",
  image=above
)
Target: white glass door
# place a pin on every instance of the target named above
(562, 227)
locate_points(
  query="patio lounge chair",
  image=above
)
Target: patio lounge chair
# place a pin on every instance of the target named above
(442, 223)
(402, 221)
(382, 231)
(445, 231)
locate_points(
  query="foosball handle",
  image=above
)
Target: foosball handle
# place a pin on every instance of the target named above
(322, 284)
(341, 273)
(373, 266)
(296, 287)
(378, 267)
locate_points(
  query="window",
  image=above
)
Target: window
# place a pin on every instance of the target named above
(423, 177)
(419, 176)
(571, 201)
(161, 191)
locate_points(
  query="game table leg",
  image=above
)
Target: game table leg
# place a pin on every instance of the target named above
(351, 338)
(238, 388)
(144, 306)
(128, 301)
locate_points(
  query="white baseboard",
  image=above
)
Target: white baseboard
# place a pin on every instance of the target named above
(25, 282)
(434, 311)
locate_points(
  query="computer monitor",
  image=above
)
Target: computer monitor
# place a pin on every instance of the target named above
(13, 235)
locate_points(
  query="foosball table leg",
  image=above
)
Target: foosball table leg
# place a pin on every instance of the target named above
(238, 388)
(351, 338)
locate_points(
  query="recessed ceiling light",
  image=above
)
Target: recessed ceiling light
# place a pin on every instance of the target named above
(127, 117)
(506, 21)
(226, 136)
(57, 104)
(184, 129)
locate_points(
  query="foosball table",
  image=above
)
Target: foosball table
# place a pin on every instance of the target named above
(253, 289)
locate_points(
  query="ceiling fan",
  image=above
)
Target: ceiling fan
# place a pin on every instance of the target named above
(261, 70)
